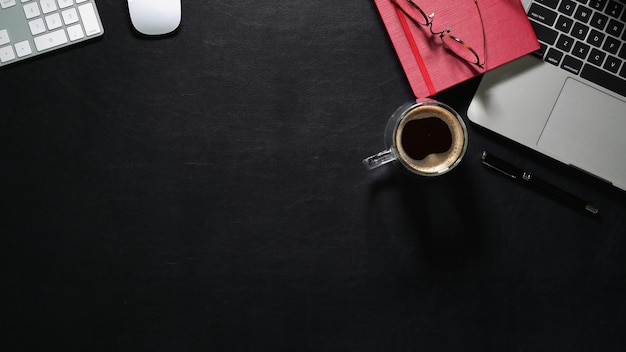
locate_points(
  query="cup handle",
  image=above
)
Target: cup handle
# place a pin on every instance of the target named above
(379, 159)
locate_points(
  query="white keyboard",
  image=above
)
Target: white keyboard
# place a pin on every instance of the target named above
(32, 27)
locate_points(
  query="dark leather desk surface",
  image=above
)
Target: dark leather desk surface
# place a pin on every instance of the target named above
(205, 192)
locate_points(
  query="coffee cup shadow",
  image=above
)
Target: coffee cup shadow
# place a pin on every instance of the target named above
(433, 216)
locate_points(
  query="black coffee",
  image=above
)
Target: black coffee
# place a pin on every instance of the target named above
(426, 136)
(430, 139)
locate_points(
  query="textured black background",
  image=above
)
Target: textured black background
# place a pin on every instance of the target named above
(205, 192)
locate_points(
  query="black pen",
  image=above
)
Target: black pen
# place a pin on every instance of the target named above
(518, 174)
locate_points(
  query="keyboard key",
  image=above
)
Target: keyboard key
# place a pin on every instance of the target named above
(53, 21)
(50, 40)
(554, 57)
(4, 37)
(615, 28)
(597, 4)
(545, 34)
(70, 16)
(595, 38)
(37, 26)
(599, 20)
(564, 24)
(571, 64)
(614, 9)
(65, 3)
(612, 64)
(550, 3)
(48, 6)
(90, 20)
(579, 31)
(5, 4)
(582, 14)
(611, 45)
(31, 10)
(542, 14)
(75, 32)
(581, 50)
(565, 43)
(567, 7)
(7, 54)
(23, 48)
(604, 79)
(596, 57)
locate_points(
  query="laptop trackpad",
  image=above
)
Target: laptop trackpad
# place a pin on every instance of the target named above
(587, 129)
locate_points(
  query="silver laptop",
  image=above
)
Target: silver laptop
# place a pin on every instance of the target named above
(568, 100)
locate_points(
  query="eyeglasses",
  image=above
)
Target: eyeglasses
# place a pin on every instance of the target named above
(451, 42)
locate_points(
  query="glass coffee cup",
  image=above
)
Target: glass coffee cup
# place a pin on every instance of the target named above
(425, 137)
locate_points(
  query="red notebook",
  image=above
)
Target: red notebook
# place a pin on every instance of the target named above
(429, 66)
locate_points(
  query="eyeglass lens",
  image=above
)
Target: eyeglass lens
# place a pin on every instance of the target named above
(454, 44)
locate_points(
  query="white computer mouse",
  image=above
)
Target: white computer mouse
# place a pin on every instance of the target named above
(154, 17)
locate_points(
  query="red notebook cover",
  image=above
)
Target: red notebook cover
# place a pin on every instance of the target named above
(429, 66)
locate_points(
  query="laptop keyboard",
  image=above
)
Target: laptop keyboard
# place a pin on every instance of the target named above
(30, 27)
(584, 37)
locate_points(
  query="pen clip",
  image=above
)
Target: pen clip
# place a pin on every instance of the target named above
(494, 166)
